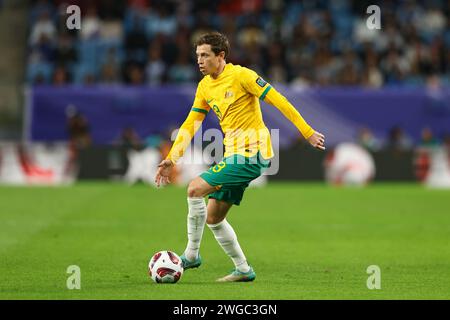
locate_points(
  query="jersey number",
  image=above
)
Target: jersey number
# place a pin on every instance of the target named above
(217, 111)
(219, 167)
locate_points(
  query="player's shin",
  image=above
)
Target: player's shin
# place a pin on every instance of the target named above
(226, 237)
(195, 224)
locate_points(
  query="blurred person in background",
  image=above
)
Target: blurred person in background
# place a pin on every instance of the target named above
(156, 67)
(398, 140)
(135, 75)
(91, 23)
(109, 72)
(78, 128)
(60, 76)
(65, 52)
(367, 139)
(129, 139)
(427, 139)
(43, 28)
(182, 71)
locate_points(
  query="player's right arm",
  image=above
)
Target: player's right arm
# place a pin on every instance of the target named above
(185, 134)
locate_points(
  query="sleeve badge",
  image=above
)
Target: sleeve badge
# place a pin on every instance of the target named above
(261, 82)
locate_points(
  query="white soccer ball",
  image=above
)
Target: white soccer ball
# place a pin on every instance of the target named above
(165, 267)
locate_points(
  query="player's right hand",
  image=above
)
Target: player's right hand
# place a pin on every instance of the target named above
(317, 140)
(163, 173)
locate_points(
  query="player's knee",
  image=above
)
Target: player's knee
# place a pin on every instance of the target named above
(194, 190)
(210, 219)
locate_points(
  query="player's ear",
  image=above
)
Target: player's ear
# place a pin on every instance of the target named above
(222, 54)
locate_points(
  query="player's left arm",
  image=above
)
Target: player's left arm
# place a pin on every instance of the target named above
(315, 138)
(187, 131)
(260, 88)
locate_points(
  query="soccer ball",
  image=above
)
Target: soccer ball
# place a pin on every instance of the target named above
(165, 267)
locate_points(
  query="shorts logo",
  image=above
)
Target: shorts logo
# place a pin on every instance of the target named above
(261, 82)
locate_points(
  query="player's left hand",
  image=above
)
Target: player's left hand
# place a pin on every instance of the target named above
(317, 140)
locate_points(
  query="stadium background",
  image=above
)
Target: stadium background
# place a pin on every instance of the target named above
(100, 103)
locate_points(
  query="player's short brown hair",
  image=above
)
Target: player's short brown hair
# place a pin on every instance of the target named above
(216, 40)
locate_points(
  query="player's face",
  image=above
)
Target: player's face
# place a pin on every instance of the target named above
(207, 60)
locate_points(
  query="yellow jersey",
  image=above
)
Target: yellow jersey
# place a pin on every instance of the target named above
(234, 97)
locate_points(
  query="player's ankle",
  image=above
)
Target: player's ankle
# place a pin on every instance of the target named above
(191, 256)
(243, 267)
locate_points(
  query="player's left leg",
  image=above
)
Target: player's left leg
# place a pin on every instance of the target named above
(227, 239)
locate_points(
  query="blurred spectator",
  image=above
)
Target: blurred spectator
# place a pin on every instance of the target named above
(42, 51)
(398, 140)
(252, 34)
(161, 20)
(129, 139)
(427, 139)
(372, 76)
(349, 73)
(136, 42)
(109, 72)
(90, 24)
(43, 28)
(60, 76)
(65, 52)
(433, 21)
(276, 70)
(153, 141)
(368, 140)
(395, 66)
(182, 70)
(156, 67)
(135, 75)
(78, 128)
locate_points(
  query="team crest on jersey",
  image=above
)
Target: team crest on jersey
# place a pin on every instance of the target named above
(261, 82)
(228, 94)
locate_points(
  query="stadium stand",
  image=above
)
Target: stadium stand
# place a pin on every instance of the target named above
(297, 42)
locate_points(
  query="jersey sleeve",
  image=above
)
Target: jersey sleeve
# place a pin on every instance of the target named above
(185, 134)
(200, 104)
(189, 127)
(253, 83)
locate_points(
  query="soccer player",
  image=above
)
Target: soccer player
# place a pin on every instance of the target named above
(233, 93)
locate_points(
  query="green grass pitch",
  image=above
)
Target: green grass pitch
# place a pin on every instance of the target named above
(305, 241)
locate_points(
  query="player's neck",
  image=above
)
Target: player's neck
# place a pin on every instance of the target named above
(222, 65)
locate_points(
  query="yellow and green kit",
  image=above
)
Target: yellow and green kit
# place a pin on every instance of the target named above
(234, 97)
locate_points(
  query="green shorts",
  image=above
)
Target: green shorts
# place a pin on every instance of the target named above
(232, 176)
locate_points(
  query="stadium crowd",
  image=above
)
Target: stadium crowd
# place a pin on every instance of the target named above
(149, 42)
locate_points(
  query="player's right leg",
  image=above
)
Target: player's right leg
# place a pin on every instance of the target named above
(197, 190)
